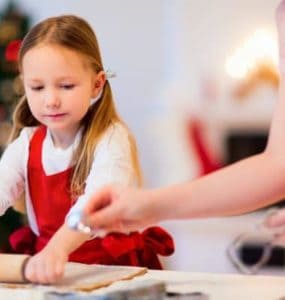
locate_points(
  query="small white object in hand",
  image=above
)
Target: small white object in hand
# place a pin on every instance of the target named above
(78, 221)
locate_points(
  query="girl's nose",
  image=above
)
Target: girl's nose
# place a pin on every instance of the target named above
(52, 100)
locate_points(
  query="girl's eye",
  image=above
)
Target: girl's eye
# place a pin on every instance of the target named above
(37, 88)
(67, 86)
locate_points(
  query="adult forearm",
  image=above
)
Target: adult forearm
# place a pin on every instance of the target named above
(244, 186)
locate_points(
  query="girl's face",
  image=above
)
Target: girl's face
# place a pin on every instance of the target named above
(59, 86)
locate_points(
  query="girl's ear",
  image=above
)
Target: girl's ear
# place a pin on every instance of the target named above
(98, 83)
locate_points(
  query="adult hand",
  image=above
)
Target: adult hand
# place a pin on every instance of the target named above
(124, 209)
(276, 222)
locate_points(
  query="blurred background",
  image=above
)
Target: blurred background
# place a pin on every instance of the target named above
(196, 82)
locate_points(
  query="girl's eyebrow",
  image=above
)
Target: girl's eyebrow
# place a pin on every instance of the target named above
(57, 79)
(34, 80)
(66, 77)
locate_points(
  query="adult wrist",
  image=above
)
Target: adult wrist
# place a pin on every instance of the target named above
(159, 204)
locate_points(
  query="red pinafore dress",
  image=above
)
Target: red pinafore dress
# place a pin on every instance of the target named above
(51, 201)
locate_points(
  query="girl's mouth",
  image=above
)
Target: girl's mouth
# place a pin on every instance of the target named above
(55, 116)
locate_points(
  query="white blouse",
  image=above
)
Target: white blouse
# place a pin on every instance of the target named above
(112, 164)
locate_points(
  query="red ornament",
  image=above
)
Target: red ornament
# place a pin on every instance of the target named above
(12, 50)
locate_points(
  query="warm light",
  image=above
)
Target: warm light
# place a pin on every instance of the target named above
(261, 47)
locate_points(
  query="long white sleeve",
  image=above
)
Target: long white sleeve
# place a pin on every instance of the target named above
(12, 170)
(112, 164)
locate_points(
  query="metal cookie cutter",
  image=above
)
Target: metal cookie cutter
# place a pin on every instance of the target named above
(264, 236)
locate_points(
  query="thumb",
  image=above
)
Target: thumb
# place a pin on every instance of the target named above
(105, 217)
(102, 209)
(99, 200)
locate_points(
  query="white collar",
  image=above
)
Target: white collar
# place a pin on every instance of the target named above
(49, 142)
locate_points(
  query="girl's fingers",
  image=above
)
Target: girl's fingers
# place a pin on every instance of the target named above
(50, 270)
(41, 272)
(59, 270)
(30, 272)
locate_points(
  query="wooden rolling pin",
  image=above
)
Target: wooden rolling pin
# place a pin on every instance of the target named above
(12, 267)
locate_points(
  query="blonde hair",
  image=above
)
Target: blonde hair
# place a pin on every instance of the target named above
(75, 34)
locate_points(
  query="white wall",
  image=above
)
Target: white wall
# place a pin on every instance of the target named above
(202, 33)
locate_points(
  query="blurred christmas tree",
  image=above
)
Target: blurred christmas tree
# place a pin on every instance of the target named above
(13, 26)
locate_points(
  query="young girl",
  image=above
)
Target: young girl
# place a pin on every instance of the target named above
(245, 186)
(68, 140)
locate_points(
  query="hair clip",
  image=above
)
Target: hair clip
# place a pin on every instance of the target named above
(110, 74)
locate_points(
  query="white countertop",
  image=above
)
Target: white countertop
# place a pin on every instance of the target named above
(217, 286)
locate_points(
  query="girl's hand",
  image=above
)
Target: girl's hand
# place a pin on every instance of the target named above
(47, 266)
(115, 208)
